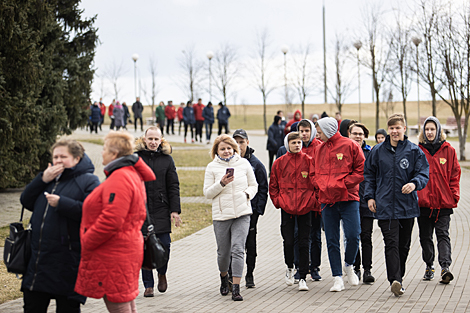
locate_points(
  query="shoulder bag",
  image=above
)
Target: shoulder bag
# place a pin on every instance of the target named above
(155, 253)
(17, 249)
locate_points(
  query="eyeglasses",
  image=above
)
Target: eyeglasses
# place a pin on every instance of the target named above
(357, 134)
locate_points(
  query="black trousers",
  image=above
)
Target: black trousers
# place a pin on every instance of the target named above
(199, 129)
(367, 224)
(171, 123)
(397, 239)
(186, 130)
(141, 123)
(287, 232)
(94, 127)
(272, 157)
(111, 127)
(429, 225)
(221, 125)
(315, 240)
(251, 243)
(38, 302)
(161, 125)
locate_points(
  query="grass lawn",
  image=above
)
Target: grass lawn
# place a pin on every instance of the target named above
(9, 285)
(191, 183)
(195, 216)
(199, 158)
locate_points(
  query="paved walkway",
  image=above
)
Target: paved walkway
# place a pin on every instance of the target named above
(193, 277)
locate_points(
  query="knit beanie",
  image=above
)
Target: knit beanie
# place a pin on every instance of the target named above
(329, 126)
(343, 127)
(438, 129)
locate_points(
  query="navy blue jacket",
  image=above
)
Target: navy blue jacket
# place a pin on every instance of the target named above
(223, 114)
(363, 206)
(386, 172)
(55, 242)
(188, 115)
(282, 150)
(275, 137)
(95, 114)
(258, 203)
(208, 114)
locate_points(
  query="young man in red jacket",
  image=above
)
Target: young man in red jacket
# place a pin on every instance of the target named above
(198, 107)
(339, 168)
(170, 114)
(110, 114)
(291, 190)
(438, 198)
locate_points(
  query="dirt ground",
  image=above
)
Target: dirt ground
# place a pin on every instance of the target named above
(11, 207)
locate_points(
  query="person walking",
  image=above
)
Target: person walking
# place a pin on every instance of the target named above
(208, 115)
(160, 116)
(198, 107)
(179, 113)
(110, 233)
(230, 183)
(119, 117)
(163, 197)
(127, 115)
(275, 139)
(339, 168)
(438, 199)
(110, 114)
(223, 114)
(189, 120)
(95, 116)
(137, 109)
(297, 118)
(394, 171)
(55, 197)
(103, 112)
(170, 114)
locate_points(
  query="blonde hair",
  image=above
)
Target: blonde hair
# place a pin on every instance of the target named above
(226, 139)
(75, 148)
(395, 119)
(153, 128)
(121, 143)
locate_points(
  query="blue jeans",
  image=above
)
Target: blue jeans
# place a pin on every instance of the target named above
(348, 211)
(147, 276)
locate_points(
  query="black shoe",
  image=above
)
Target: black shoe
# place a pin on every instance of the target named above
(429, 273)
(446, 276)
(236, 296)
(230, 282)
(358, 274)
(368, 278)
(249, 281)
(224, 285)
(315, 275)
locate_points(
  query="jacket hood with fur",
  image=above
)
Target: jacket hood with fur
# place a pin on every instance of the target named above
(164, 147)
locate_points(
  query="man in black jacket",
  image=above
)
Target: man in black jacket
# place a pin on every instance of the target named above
(163, 197)
(137, 109)
(258, 203)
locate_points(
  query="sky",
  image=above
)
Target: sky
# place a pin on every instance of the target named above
(163, 29)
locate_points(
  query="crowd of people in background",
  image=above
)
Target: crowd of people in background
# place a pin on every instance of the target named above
(322, 176)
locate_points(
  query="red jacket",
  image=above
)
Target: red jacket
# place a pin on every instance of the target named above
(290, 185)
(198, 111)
(443, 188)
(110, 109)
(310, 150)
(103, 109)
(110, 233)
(170, 112)
(339, 168)
(292, 121)
(180, 114)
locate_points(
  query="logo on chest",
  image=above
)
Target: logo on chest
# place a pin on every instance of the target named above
(304, 174)
(339, 156)
(442, 161)
(404, 163)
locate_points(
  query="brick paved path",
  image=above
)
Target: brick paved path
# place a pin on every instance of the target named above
(193, 280)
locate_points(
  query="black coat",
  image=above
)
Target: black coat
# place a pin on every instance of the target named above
(258, 203)
(363, 205)
(275, 137)
(163, 194)
(55, 243)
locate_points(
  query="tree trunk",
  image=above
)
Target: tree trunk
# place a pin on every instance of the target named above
(406, 119)
(377, 107)
(264, 115)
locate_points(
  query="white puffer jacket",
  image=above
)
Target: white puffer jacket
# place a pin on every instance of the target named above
(230, 201)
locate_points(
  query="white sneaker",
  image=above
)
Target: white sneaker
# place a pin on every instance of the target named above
(352, 277)
(289, 276)
(338, 284)
(397, 288)
(303, 285)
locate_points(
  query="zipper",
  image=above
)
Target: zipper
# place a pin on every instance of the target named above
(394, 179)
(40, 239)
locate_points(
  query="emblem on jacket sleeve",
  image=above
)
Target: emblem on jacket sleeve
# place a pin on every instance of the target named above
(339, 156)
(304, 174)
(404, 163)
(442, 161)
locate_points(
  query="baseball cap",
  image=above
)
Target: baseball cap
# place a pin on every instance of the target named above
(240, 133)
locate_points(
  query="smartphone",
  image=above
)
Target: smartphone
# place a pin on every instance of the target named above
(230, 172)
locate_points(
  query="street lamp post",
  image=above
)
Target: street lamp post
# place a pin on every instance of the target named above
(417, 41)
(358, 45)
(284, 50)
(135, 57)
(210, 55)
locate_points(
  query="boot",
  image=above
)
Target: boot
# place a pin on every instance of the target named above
(224, 285)
(236, 296)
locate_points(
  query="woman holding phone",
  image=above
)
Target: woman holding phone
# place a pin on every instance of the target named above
(230, 183)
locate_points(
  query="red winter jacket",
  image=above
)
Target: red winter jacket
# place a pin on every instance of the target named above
(110, 233)
(103, 109)
(290, 185)
(170, 112)
(443, 188)
(310, 150)
(110, 109)
(292, 121)
(198, 111)
(180, 114)
(339, 168)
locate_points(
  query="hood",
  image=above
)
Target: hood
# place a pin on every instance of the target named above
(249, 152)
(380, 131)
(329, 126)
(300, 113)
(84, 166)
(134, 160)
(422, 136)
(343, 127)
(313, 131)
(164, 147)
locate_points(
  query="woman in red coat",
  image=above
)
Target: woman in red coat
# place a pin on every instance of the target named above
(438, 198)
(113, 214)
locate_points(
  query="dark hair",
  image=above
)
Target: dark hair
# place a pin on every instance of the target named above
(364, 128)
(279, 112)
(304, 123)
(293, 136)
(189, 102)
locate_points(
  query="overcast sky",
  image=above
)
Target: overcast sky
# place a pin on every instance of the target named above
(162, 29)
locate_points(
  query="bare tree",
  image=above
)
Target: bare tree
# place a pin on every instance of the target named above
(191, 67)
(150, 97)
(226, 70)
(387, 105)
(302, 77)
(454, 58)
(342, 81)
(113, 73)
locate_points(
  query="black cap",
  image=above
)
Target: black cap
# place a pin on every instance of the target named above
(240, 133)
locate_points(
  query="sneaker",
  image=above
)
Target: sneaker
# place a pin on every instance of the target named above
(289, 276)
(358, 274)
(314, 275)
(184, 140)
(303, 285)
(397, 288)
(192, 140)
(352, 277)
(429, 273)
(368, 278)
(249, 281)
(338, 284)
(296, 277)
(446, 276)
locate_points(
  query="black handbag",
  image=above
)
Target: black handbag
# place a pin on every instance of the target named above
(155, 253)
(17, 249)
